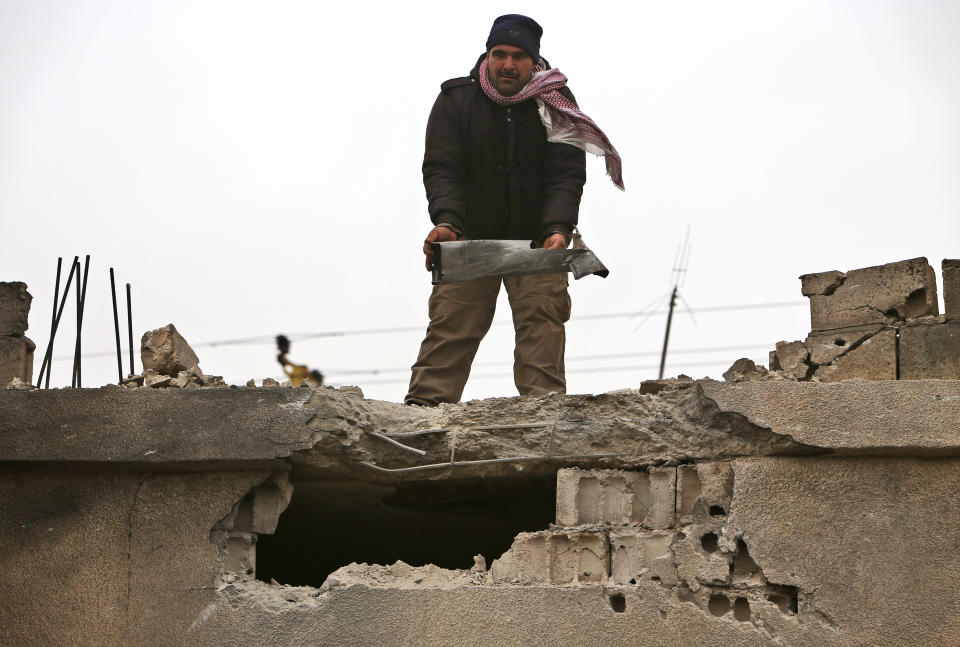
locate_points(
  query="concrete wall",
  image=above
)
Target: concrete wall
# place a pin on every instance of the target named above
(703, 532)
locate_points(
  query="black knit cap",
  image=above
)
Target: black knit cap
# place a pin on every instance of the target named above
(519, 31)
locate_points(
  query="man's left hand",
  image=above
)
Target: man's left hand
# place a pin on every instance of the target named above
(555, 241)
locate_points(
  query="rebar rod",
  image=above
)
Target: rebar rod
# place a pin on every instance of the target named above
(76, 345)
(53, 316)
(83, 304)
(396, 444)
(116, 328)
(48, 355)
(130, 329)
(410, 434)
(486, 461)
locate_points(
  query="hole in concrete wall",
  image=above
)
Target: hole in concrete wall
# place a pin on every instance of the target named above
(717, 511)
(330, 524)
(786, 598)
(618, 603)
(916, 303)
(633, 580)
(840, 342)
(709, 542)
(741, 609)
(655, 578)
(744, 568)
(718, 604)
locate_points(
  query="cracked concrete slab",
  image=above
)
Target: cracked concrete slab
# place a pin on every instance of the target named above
(857, 415)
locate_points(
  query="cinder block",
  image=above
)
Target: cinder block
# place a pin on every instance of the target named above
(637, 554)
(704, 491)
(16, 359)
(825, 347)
(557, 557)
(930, 351)
(663, 491)
(14, 308)
(884, 294)
(874, 359)
(951, 287)
(821, 283)
(595, 496)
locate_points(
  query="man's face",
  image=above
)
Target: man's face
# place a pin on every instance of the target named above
(509, 68)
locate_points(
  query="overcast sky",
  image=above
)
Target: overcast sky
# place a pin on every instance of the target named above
(254, 168)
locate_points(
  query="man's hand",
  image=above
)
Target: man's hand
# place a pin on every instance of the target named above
(555, 241)
(437, 235)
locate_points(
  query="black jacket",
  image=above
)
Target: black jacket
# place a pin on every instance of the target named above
(489, 170)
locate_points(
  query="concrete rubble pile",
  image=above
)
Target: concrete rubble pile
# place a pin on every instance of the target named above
(875, 323)
(169, 362)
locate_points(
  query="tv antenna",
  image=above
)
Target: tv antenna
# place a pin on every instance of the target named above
(679, 274)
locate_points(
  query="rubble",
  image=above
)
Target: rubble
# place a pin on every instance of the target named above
(16, 350)
(165, 351)
(951, 287)
(744, 370)
(876, 323)
(14, 308)
(884, 294)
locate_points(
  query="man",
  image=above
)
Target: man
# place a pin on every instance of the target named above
(503, 160)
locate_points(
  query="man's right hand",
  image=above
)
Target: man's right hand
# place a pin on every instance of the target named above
(438, 234)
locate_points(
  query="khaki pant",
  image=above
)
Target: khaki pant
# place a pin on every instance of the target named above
(460, 315)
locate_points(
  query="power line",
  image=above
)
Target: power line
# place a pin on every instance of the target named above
(576, 358)
(271, 339)
(598, 369)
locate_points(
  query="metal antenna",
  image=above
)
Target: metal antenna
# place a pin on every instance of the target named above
(680, 262)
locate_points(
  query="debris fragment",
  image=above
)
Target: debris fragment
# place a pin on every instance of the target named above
(744, 370)
(165, 351)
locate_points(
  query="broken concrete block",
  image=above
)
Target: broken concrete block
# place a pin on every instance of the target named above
(792, 359)
(884, 294)
(874, 359)
(821, 283)
(154, 379)
(165, 351)
(744, 370)
(14, 308)
(556, 557)
(637, 554)
(704, 491)
(930, 351)
(16, 359)
(595, 496)
(951, 287)
(826, 347)
(702, 556)
(270, 498)
(663, 498)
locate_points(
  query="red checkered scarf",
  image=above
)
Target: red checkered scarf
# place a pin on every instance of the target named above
(562, 119)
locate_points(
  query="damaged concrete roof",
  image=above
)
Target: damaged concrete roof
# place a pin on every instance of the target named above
(335, 432)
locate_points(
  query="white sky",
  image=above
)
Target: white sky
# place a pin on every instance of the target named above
(254, 168)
